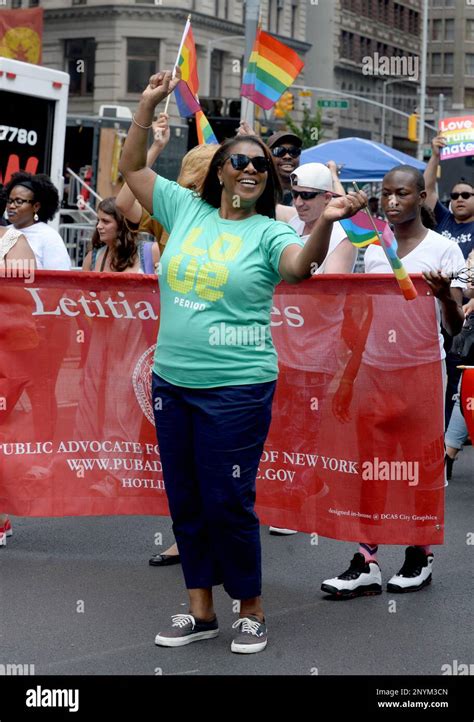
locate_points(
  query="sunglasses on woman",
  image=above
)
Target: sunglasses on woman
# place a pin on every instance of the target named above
(464, 195)
(240, 161)
(306, 195)
(280, 150)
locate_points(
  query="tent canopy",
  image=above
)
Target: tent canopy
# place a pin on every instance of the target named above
(362, 160)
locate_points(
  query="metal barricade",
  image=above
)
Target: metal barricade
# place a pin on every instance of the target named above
(77, 237)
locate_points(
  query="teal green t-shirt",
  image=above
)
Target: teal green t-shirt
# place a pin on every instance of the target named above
(217, 279)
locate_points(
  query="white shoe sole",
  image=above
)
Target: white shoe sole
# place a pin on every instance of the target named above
(248, 648)
(276, 531)
(182, 641)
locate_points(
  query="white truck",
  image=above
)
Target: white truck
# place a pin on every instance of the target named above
(33, 107)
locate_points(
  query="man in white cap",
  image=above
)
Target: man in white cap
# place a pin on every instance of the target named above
(312, 187)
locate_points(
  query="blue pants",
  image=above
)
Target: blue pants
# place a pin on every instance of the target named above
(211, 441)
(456, 433)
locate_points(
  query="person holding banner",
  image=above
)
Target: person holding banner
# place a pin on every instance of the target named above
(215, 365)
(377, 369)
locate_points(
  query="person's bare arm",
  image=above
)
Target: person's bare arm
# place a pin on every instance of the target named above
(86, 266)
(431, 171)
(342, 259)
(450, 298)
(126, 201)
(140, 179)
(297, 263)
(21, 251)
(336, 183)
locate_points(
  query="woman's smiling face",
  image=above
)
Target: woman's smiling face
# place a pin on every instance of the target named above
(246, 183)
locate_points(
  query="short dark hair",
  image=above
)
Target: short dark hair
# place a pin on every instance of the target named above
(211, 190)
(462, 182)
(44, 192)
(427, 216)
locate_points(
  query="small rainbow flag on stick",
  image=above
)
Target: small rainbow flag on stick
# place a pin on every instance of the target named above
(186, 92)
(362, 230)
(272, 68)
(204, 130)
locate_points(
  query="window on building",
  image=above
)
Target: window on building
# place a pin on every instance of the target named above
(294, 17)
(448, 64)
(79, 2)
(449, 29)
(437, 29)
(436, 59)
(469, 98)
(16, 4)
(217, 65)
(469, 63)
(142, 61)
(33, 3)
(279, 16)
(469, 29)
(347, 42)
(271, 15)
(79, 60)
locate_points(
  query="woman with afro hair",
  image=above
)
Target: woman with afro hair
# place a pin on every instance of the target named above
(32, 201)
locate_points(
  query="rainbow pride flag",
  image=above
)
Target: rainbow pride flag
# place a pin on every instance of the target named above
(360, 231)
(204, 130)
(186, 92)
(272, 68)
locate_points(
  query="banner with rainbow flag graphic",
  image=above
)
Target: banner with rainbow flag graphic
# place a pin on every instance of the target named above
(272, 68)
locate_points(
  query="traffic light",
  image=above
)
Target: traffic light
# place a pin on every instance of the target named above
(284, 104)
(413, 127)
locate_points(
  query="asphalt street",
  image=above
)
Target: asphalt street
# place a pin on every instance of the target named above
(77, 596)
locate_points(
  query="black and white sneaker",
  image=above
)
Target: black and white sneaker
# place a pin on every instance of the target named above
(362, 578)
(186, 629)
(415, 572)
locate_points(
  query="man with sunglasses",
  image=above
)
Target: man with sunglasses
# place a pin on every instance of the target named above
(457, 224)
(286, 151)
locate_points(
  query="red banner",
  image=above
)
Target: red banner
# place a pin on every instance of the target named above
(355, 450)
(21, 34)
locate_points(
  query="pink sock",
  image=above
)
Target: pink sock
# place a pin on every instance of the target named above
(426, 549)
(369, 551)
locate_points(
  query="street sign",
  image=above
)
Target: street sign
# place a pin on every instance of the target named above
(333, 103)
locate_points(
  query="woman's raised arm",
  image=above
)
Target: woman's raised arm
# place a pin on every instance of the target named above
(133, 166)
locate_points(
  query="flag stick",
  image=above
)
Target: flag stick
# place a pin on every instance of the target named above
(405, 283)
(186, 27)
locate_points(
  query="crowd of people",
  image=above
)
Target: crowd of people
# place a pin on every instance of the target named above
(266, 218)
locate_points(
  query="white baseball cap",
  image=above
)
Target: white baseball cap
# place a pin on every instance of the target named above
(313, 175)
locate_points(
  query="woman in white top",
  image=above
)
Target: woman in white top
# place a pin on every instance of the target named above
(32, 201)
(13, 247)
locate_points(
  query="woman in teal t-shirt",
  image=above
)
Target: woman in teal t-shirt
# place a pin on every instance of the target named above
(215, 366)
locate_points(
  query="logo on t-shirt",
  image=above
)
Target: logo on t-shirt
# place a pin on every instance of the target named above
(203, 270)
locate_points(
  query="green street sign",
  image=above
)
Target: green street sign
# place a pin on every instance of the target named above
(333, 103)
